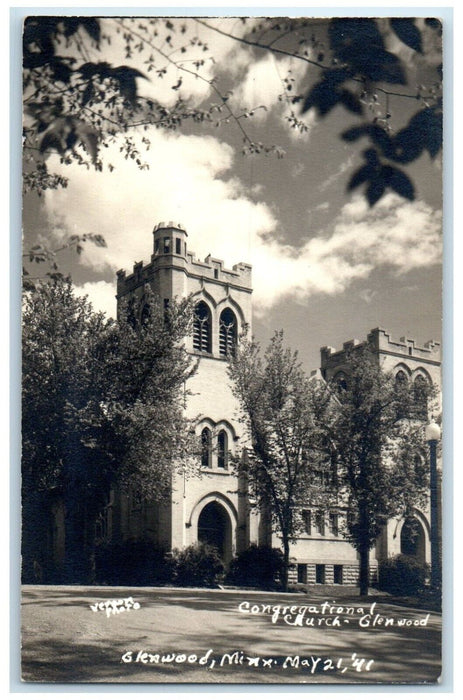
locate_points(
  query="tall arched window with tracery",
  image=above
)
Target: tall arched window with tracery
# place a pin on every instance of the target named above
(202, 336)
(401, 378)
(222, 450)
(206, 448)
(227, 332)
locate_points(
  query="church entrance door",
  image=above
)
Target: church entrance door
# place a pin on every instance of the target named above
(214, 527)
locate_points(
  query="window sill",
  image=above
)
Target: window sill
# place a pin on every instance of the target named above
(211, 470)
(203, 353)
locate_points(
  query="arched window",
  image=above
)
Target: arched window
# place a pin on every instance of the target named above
(145, 315)
(412, 539)
(222, 450)
(340, 381)
(420, 397)
(227, 332)
(402, 395)
(206, 448)
(401, 378)
(420, 467)
(202, 340)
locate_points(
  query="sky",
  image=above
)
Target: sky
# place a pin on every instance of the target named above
(326, 266)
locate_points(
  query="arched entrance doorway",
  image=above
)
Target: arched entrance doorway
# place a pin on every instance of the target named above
(412, 540)
(214, 527)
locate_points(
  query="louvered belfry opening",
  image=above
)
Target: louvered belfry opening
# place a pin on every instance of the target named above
(227, 332)
(202, 328)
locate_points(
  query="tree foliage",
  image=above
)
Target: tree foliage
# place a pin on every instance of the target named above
(102, 406)
(47, 257)
(357, 445)
(76, 103)
(377, 436)
(279, 404)
(197, 565)
(402, 575)
(257, 566)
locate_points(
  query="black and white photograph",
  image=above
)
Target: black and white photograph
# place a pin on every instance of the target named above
(231, 401)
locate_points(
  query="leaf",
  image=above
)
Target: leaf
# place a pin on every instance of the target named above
(345, 33)
(384, 66)
(87, 94)
(323, 97)
(61, 71)
(354, 133)
(408, 32)
(52, 140)
(326, 94)
(90, 69)
(366, 172)
(427, 127)
(375, 191)
(97, 239)
(351, 101)
(89, 138)
(71, 25)
(92, 27)
(424, 131)
(371, 156)
(398, 181)
(28, 285)
(434, 23)
(125, 76)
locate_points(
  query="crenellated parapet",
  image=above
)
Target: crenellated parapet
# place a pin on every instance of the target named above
(406, 354)
(382, 341)
(170, 252)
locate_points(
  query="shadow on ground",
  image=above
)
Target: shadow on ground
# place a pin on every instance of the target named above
(64, 641)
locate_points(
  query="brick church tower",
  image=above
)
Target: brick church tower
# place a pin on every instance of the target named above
(211, 507)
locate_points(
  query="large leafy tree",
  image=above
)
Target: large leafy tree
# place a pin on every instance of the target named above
(376, 434)
(76, 102)
(279, 407)
(102, 406)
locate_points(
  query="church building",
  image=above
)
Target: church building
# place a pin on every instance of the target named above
(213, 507)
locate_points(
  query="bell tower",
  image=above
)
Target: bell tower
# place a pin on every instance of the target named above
(169, 239)
(222, 309)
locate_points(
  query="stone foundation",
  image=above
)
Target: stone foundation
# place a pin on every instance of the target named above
(328, 574)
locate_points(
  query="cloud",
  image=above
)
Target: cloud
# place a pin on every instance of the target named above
(395, 234)
(190, 181)
(345, 165)
(297, 170)
(102, 296)
(263, 84)
(367, 295)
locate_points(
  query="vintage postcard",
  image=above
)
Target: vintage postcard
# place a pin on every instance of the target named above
(232, 326)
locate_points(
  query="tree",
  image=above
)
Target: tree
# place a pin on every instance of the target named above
(46, 257)
(279, 404)
(376, 435)
(102, 406)
(75, 103)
